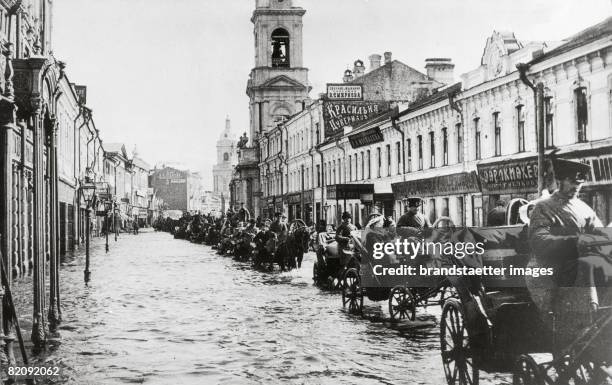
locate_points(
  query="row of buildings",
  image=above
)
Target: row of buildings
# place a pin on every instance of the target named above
(51, 147)
(389, 131)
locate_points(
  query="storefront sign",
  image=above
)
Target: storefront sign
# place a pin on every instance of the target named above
(344, 91)
(364, 138)
(510, 176)
(294, 198)
(348, 191)
(337, 114)
(460, 183)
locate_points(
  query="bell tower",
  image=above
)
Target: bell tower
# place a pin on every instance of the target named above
(278, 85)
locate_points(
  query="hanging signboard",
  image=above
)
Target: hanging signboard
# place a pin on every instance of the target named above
(367, 137)
(339, 114)
(343, 91)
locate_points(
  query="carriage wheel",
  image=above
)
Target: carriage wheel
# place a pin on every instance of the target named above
(527, 372)
(402, 304)
(352, 297)
(457, 355)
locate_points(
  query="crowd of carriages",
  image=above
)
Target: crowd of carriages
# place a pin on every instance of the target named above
(265, 243)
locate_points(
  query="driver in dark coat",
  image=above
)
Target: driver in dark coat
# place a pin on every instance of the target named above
(412, 217)
(279, 227)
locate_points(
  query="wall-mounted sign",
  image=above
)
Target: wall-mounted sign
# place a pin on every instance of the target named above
(364, 138)
(349, 191)
(460, 183)
(344, 91)
(509, 176)
(337, 114)
(294, 198)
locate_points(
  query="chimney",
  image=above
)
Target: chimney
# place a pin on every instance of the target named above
(374, 61)
(440, 70)
(358, 68)
(348, 76)
(387, 57)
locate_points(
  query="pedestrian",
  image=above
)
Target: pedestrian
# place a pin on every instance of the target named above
(135, 226)
(412, 217)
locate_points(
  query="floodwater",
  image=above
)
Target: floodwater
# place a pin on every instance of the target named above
(166, 311)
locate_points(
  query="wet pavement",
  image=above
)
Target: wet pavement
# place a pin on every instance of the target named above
(166, 311)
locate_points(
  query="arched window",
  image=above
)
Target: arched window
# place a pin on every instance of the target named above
(280, 48)
(225, 157)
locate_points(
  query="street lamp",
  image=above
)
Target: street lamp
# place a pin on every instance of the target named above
(87, 190)
(108, 208)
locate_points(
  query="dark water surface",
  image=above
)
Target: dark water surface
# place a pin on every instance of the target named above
(165, 311)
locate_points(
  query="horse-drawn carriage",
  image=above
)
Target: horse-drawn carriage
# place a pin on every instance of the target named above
(403, 296)
(285, 250)
(331, 264)
(493, 324)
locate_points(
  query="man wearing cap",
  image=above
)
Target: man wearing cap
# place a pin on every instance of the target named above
(343, 233)
(279, 227)
(412, 217)
(557, 220)
(554, 228)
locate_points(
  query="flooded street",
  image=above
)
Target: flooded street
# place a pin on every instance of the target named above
(165, 311)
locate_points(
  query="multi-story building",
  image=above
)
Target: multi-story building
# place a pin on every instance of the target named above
(140, 184)
(461, 148)
(180, 189)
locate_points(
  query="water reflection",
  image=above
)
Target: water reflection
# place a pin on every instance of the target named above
(163, 311)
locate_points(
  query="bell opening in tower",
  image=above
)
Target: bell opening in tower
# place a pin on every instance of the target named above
(280, 48)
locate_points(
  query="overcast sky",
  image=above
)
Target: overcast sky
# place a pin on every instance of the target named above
(163, 74)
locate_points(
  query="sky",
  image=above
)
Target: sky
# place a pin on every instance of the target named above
(162, 75)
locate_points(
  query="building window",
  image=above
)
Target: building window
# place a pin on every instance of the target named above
(379, 161)
(520, 119)
(318, 175)
(362, 166)
(432, 149)
(280, 48)
(582, 116)
(398, 151)
(548, 122)
(497, 132)
(477, 152)
(409, 160)
(356, 172)
(369, 165)
(445, 210)
(459, 143)
(444, 147)
(388, 147)
(350, 168)
(340, 173)
(420, 143)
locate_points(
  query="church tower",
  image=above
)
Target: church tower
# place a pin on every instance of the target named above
(278, 85)
(226, 160)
